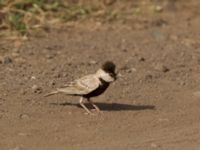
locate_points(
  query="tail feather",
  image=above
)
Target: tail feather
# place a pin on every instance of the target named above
(52, 93)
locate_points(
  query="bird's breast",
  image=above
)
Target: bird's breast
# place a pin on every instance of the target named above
(101, 89)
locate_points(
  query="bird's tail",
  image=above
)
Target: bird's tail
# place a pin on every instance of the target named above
(52, 93)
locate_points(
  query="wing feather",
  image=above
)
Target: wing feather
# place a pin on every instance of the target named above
(82, 86)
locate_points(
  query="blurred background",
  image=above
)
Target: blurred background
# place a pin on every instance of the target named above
(22, 17)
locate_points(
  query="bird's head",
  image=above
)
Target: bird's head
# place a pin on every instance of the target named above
(107, 72)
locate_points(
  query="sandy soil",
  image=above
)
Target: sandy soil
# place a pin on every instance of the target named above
(154, 105)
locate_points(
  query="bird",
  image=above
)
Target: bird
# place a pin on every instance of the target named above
(91, 85)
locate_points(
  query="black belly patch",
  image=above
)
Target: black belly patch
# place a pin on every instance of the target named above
(104, 85)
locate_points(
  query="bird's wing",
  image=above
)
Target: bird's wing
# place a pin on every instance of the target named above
(82, 86)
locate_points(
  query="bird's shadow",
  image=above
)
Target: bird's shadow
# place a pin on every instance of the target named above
(111, 106)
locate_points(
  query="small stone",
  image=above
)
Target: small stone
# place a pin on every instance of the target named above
(92, 62)
(50, 56)
(7, 60)
(153, 145)
(52, 83)
(182, 83)
(119, 75)
(22, 92)
(131, 70)
(16, 50)
(24, 116)
(1, 59)
(33, 77)
(65, 74)
(141, 59)
(161, 67)
(57, 75)
(36, 89)
(158, 8)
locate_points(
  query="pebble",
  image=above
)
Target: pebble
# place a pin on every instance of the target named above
(161, 67)
(131, 70)
(22, 92)
(141, 59)
(5, 60)
(57, 75)
(1, 59)
(52, 83)
(33, 77)
(92, 62)
(16, 50)
(36, 89)
(158, 8)
(65, 74)
(182, 83)
(50, 56)
(153, 145)
(24, 116)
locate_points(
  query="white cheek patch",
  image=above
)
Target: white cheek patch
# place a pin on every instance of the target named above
(107, 77)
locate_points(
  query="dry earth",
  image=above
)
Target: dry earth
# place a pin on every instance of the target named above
(154, 105)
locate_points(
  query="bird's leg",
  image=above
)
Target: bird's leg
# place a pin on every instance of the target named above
(95, 106)
(82, 105)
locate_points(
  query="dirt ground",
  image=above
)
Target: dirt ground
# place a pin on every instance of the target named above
(153, 105)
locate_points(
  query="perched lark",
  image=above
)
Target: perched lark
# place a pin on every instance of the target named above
(91, 85)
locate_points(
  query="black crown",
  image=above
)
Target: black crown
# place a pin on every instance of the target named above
(109, 67)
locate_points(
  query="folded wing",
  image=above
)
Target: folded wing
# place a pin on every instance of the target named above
(82, 86)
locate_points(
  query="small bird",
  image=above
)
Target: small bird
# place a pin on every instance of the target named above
(90, 85)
